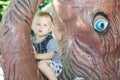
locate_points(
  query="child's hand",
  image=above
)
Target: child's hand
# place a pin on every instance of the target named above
(36, 56)
(34, 51)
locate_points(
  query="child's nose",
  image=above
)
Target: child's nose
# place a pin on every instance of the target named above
(40, 26)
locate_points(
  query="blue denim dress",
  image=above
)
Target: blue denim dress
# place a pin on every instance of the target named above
(49, 44)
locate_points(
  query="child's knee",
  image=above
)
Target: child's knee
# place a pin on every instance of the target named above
(42, 64)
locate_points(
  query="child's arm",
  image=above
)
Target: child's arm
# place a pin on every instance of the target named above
(49, 55)
(52, 47)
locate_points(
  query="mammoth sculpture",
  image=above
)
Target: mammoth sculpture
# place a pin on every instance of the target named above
(89, 41)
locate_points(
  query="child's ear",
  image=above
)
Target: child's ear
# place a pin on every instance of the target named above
(33, 28)
(52, 26)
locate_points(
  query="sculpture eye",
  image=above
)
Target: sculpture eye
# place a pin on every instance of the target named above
(100, 25)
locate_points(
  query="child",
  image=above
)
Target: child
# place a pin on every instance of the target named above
(46, 47)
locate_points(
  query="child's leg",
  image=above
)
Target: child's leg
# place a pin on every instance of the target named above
(47, 70)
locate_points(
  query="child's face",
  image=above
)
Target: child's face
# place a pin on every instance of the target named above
(42, 26)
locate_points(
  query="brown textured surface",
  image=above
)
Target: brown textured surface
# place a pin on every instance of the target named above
(17, 54)
(86, 53)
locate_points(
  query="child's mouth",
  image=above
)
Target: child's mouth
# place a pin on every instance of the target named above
(40, 30)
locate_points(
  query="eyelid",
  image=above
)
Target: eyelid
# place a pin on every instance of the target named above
(100, 14)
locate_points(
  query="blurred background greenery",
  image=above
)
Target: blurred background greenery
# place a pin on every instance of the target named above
(5, 3)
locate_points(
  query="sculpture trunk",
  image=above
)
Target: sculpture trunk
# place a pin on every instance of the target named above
(18, 60)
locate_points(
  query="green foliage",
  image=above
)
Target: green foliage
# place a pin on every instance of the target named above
(5, 3)
(3, 6)
(45, 2)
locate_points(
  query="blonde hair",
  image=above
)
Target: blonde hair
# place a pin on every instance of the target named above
(45, 14)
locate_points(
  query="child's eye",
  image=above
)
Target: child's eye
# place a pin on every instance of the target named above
(38, 24)
(45, 24)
